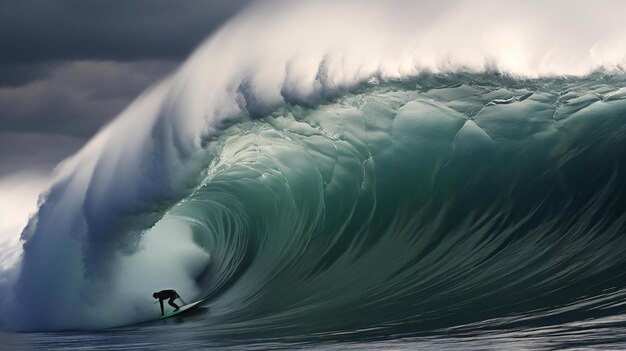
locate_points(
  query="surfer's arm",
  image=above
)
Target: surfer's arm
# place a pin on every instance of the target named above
(161, 303)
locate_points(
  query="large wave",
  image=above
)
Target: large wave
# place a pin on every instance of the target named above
(414, 166)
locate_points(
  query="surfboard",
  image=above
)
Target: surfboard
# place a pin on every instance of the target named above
(187, 307)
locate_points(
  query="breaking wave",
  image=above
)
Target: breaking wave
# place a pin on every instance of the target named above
(382, 172)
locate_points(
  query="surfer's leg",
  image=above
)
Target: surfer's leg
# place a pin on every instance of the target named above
(171, 302)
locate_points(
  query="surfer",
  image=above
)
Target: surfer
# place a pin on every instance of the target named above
(168, 294)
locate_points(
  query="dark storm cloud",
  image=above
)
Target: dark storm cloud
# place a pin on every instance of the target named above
(47, 120)
(35, 31)
(78, 98)
(16, 74)
(37, 35)
(68, 67)
(35, 152)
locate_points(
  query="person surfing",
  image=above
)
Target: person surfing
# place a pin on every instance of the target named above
(168, 294)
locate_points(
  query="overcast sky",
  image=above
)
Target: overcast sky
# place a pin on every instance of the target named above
(69, 66)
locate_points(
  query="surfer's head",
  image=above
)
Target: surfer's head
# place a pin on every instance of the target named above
(155, 295)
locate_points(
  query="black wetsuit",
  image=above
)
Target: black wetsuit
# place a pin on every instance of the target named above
(168, 294)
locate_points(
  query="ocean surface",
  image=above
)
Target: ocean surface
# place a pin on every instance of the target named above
(453, 208)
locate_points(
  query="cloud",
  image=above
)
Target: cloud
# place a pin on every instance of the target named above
(45, 121)
(68, 67)
(35, 36)
(16, 74)
(38, 152)
(78, 97)
(35, 31)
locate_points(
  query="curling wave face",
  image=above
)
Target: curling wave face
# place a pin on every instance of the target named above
(326, 195)
(427, 204)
